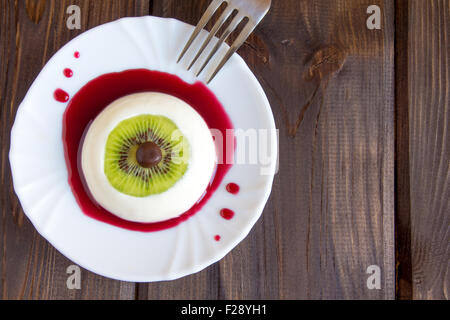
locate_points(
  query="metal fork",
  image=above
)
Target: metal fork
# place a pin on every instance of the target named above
(253, 10)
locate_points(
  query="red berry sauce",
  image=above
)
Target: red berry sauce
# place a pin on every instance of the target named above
(68, 73)
(98, 94)
(61, 96)
(233, 188)
(227, 214)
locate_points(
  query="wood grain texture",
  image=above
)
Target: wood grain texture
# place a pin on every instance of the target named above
(429, 89)
(403, 199)
(30, 33)
(330, 82)
(331, 213)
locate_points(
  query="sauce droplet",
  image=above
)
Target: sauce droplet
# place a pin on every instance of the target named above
(76, 54)
(61, 96)
(227, 214)
(233, 188)
(68, 73)
(217, 238)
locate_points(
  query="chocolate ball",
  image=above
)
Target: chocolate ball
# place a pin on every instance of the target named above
(148, 155)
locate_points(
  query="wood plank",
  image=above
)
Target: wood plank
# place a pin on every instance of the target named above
(429, 89)
(403, 200)
(331, 213)
(30, 33)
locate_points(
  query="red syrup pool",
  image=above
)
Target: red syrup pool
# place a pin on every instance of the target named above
(98, 94)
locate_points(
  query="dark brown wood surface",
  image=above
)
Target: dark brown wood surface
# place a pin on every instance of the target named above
(403, 202)
(429, 135)
(334, 87)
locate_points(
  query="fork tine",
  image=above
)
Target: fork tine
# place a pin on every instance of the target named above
(248, 29)
(232, 26)
(212, 33)
(201, 24)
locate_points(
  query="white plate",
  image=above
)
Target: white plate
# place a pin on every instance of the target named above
(40, 173)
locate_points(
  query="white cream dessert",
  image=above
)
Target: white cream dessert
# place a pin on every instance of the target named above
(148, 157)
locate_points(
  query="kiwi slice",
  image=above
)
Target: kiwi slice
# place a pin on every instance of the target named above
(145, 155)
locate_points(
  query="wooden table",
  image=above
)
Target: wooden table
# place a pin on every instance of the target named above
(364, 163)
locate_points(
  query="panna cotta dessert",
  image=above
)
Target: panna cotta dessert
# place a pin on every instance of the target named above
(148, 157)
